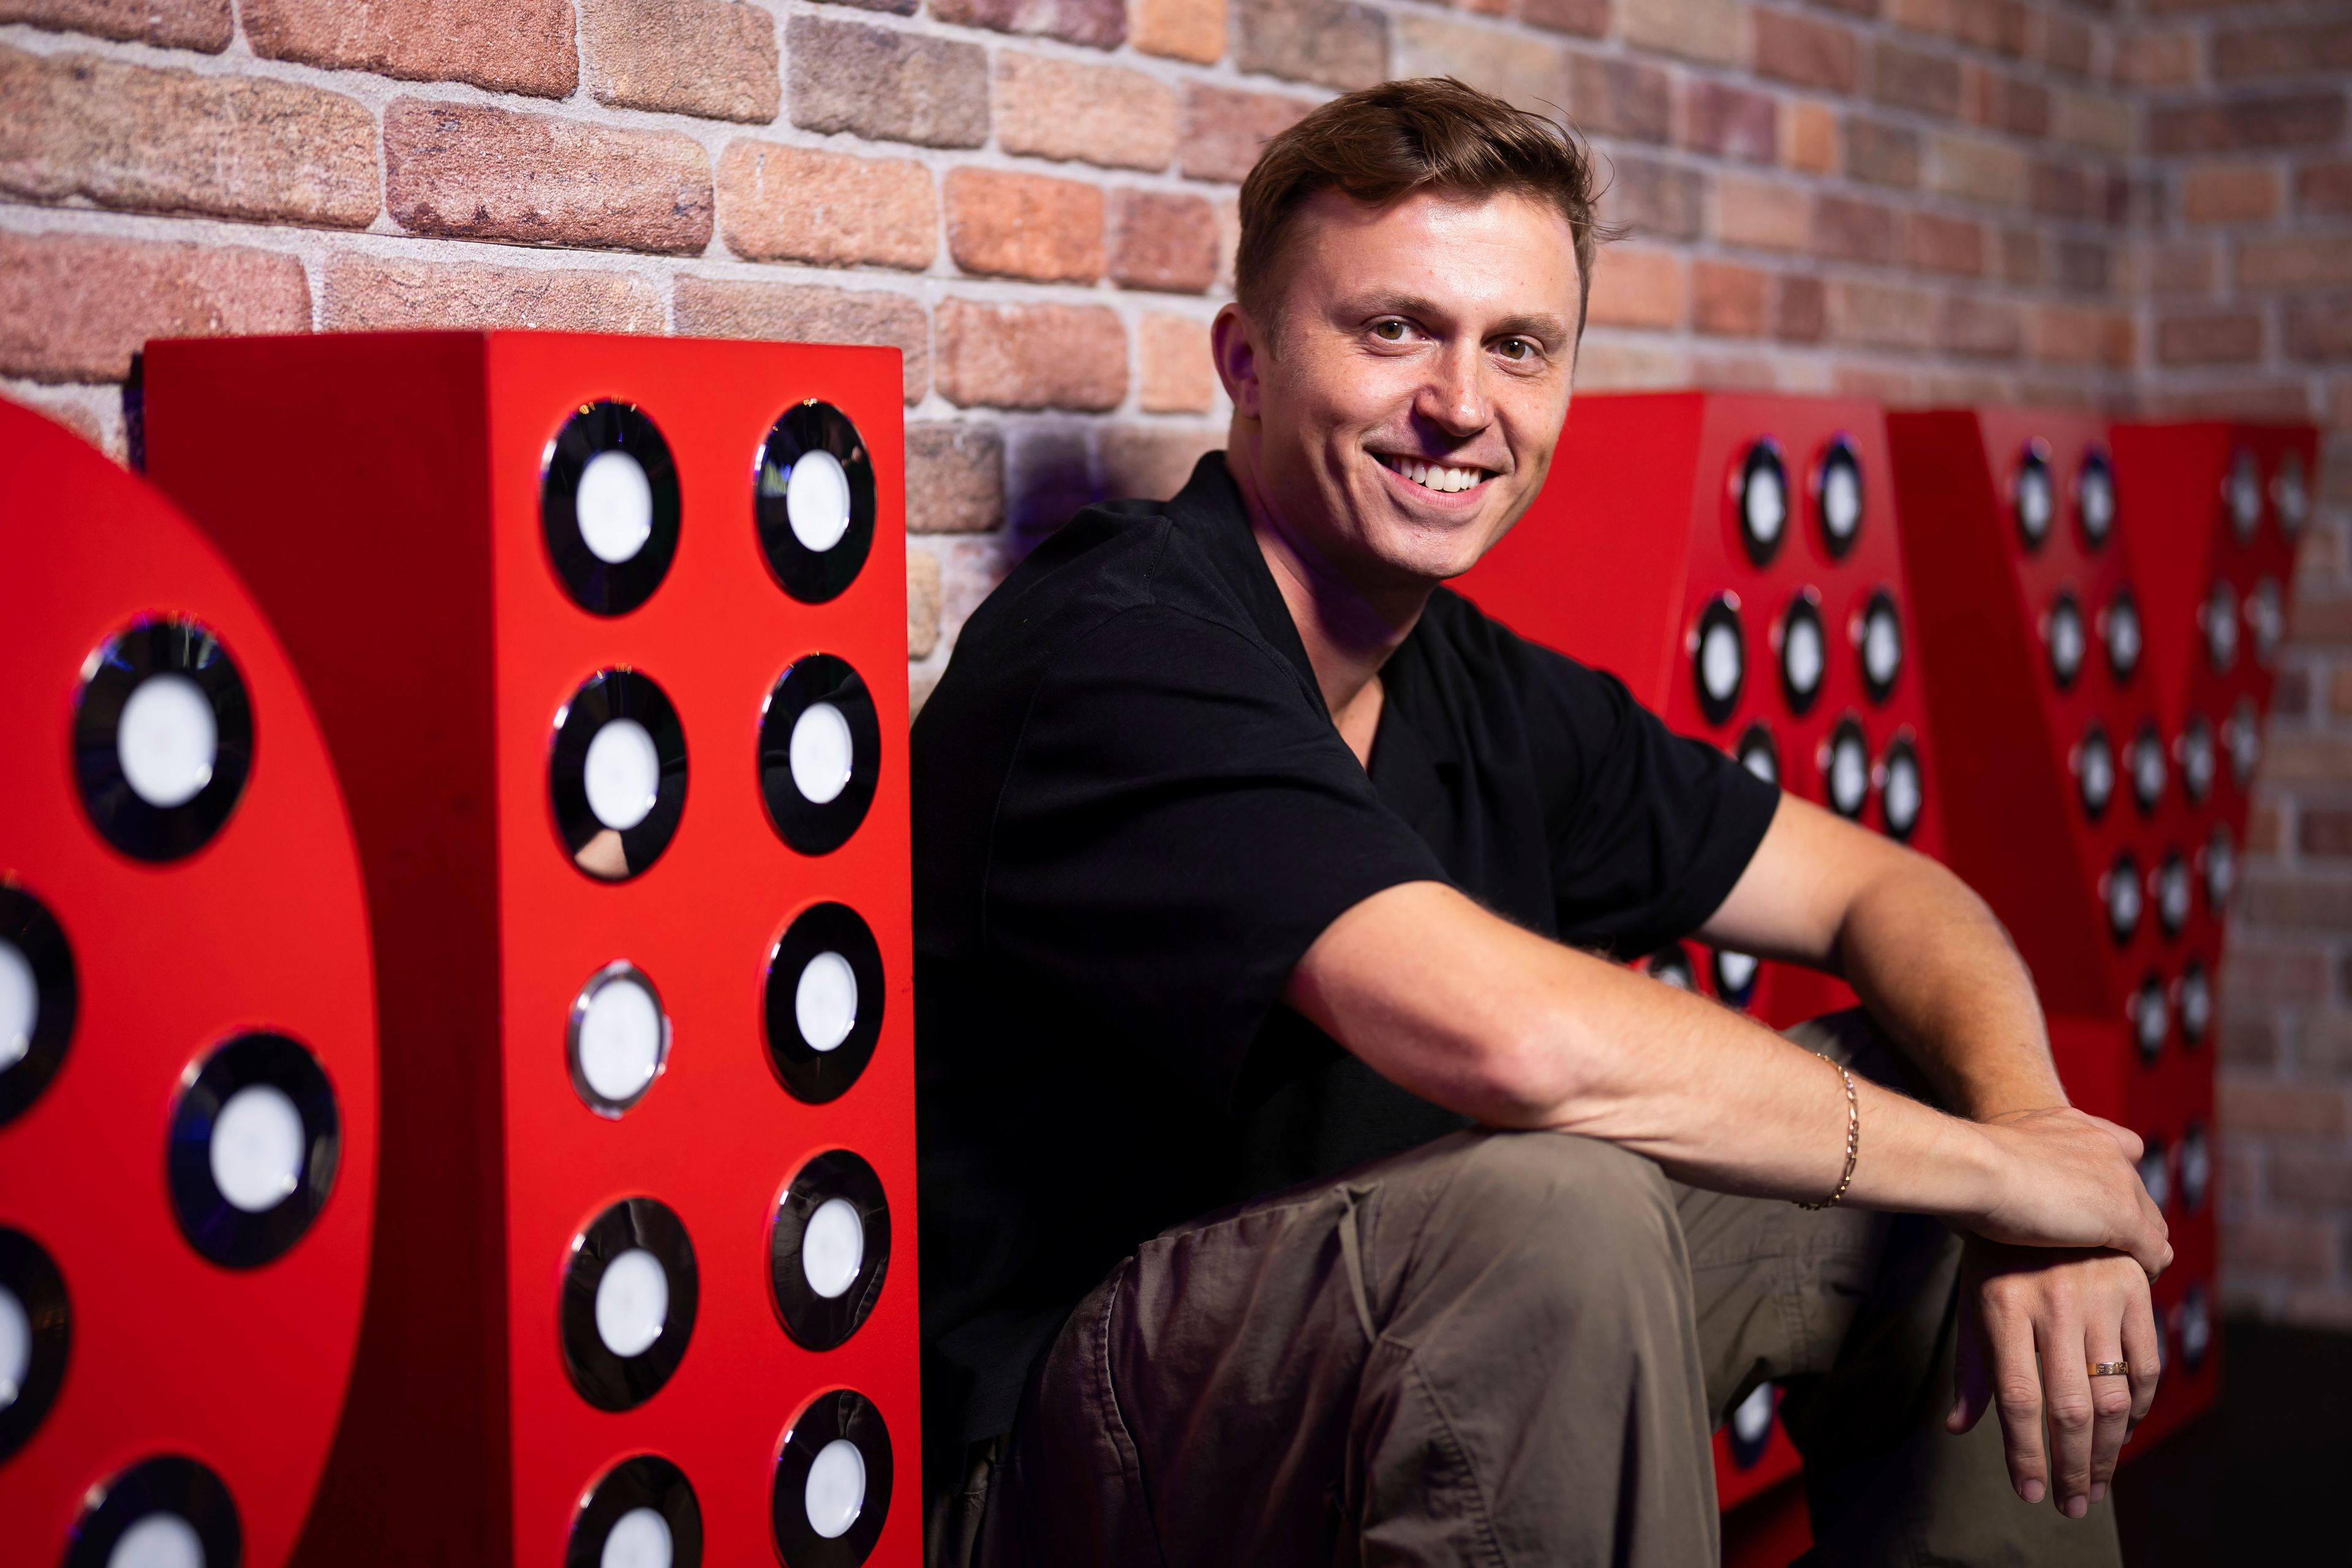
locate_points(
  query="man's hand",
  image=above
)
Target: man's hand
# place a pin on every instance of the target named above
(2071, 1181)
(2073, 1308)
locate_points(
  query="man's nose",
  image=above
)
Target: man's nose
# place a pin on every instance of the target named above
(1455, 397)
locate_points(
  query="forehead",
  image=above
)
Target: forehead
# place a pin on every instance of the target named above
(1508, 251)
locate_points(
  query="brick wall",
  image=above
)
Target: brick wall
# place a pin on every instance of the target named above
(1033, 199)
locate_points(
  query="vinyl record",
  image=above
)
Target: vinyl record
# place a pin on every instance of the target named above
(1878, 640)
(1734, 974)
(2218, 617)
(1805, 651)
(36, 1337)
(2033, 500)
(2119, 629)
(641, 1513)
(2173, 892)
(616, 1040)
(1838, 497)
(1749, 1427)
(609, 507)
(1902, 789)
(616, 774)
(1672, 966)
(2220, 861)
(2196, 1002)
(2196, 1167)
(2194, 751)
(832, 1487)
(630, 1291)
(256, 1139)
(813, 498)
(2094, 770)
(167, 1510)
(2193, 1327)
(2149, 768)
(1758, 753)
(2151, 1019)
(2155, 1170)
(2291, 494)
(1762, 498)
(2095, 497)
(162, 738)
(820, 753)
(2241, 495)
(39, 998)
(1845, 769)
(2120, 891)
(821, 1012)
(2064, 636)
(829, 1249)
(1718, 652)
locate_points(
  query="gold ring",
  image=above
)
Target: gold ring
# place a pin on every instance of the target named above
(2110, 1368)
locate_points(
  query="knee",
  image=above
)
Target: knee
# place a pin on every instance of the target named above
(1588, 1205)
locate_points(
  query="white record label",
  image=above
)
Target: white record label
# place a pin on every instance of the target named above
(1719, 662)
(20, 1003)
(833, 1247)
(623, 775)
(816, 500)
(836, 1493)
(824, 1003)
(167, 741)
(615, 507)
(821, 754)
(15, 1347)
(638, 1539)
(256, 1148)
(159, 1540)
(632, 1302)
(620, 1040)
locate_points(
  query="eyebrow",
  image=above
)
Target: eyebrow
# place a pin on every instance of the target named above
(1526, 325)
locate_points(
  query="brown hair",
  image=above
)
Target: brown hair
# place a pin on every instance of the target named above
(1383, 143)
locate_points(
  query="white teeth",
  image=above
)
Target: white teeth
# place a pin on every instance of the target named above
(1433, 476)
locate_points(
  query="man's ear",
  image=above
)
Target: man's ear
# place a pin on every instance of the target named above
(1232, 343)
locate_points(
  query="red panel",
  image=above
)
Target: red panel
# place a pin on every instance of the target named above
(260, 927)
(408, 503)
(1637, 532)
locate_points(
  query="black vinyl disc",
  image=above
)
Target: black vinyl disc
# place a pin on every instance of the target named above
(621, 1376)
(2193, 1327)
(2122, 896)
(1673, 965)
(828, 1502)
(1845, 769)
(2156, 1171)
(34, 1292)
(39, 997)
(822, 1008)
(616, 774)
(2095, 497)
(829, 1249)
(2094, 770)
(1838, 497)
(1805, 651)
(1758, 753)
(2196, 1002)
(2063, 635)
(2195, 752)
(2033, 497)
(1749, 1427)
(817, 541)
(2122, 632)
(609, 507)
(255, 1143)
(819, 752)
(184, 1498)
(1763, 500)
(621, 1498)
(2196, 1166)
(2150, 769)
(1880, 644)
(1902, 789)
(1734, 974)
(2151, 1019)
(156, 785)
(1718, 651)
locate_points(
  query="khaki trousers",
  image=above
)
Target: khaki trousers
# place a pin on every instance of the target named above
(1502, 1348)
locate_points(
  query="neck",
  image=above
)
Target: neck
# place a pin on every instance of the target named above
(1349, 629)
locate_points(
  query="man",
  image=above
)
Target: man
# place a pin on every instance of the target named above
(1254, 869)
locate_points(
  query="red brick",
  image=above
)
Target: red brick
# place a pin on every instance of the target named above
(2065, 335)
(1180, 29)
(1152, 461)
(2020, 255)
(809, 313)
(2293, 263)
(537, 179)
(1709, 30)
(375, 293)
(2084, 266)
(1530, 72)
(1845, 228)
(1109, 115)
(1878, 153)
(885, 85)
(923, 593)
(2303, 903)
(1806, 51)
(2061, 190)
(1100, 22)
(2252, 1108)
(1030, 356)
(76, 308)
(2249, 1039)
(171, 140)
(1634, 286)
(2231, 193)
(1878, 316)
(1944, 245)
(716, 58)
(1764, 214)
(1728, 299)
(2324, 188)
(1979, 169)
(2291, 48)
(1586, 18)
(1225, 129)
(2066, 44)
(1800, 309)
(1981, 329)
(2146, 58)
(2320, 330)
(1997, 25)
(2324, 1043)
(1915, 80)
(1337, 43)
(955, 476)
(1654, 200)
(2289, 119)
(1025, 226)
(507, 46)
(2312, 1181)
(1164, 240)
(1733, 121)
(1811, 140)
(1618, 97)
(2007, 102)
(796, 204)
(1176, 375)
(2299, 1249)
(2232, 337)
(205, 25)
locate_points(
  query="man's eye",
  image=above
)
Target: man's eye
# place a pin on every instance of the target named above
(1516, 348)
(1389, 332)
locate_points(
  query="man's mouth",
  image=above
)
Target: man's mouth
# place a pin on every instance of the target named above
(1443, 478)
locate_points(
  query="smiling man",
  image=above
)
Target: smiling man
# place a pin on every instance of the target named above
(1302, 1182)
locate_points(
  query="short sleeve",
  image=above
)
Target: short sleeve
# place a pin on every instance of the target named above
(1649, 829)
(1180, 822)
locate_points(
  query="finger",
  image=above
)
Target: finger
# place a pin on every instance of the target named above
(2017, 1400)
(2144, 1348)
(2067, 1407)
(1972, 1378)
(2111, 1409)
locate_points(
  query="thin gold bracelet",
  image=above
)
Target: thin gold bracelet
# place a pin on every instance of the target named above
(1853, 1138)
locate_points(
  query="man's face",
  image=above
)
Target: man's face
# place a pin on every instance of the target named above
(1408, 413)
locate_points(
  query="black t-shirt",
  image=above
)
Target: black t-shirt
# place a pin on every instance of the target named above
(1132, 815)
